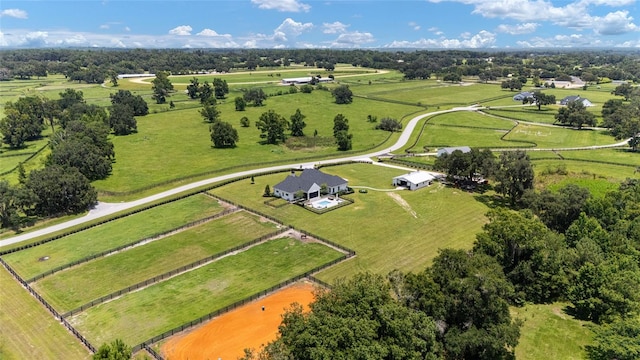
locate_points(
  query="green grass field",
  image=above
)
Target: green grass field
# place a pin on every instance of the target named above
(381, 245)
(141, 315)
(77, 286)
(29, 331)
(110, 235)
(549, 333)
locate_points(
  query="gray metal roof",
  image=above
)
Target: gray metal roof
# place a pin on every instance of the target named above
(307, 178)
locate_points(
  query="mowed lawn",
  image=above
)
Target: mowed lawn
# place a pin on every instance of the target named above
(559, 137)
(79, 285)
(138, 316)
(112, 234)
(29, 331)
(388, 230)
(549, 333)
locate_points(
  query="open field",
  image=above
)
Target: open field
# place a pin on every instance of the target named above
(140, 315)
(549, 333)
(248, 327)
(27, 329)
(381, 245)
(76, 286)
(112, 234)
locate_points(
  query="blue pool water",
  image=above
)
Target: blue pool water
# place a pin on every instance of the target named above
(324, 203)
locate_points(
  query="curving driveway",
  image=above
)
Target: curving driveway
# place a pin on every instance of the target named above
(104, 209)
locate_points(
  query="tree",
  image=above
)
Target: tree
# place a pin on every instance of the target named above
(210, 112)
(205, 92)
(272, 125)
(137, 103)
(220, 88)
(558, 210)
(306, 89)
(343, 140)
(60, 190)
(467, 165)
(624, 89)
(539, 98)
(514, 175)
(69, 98)
(51, 112)
(297, 123)
(340, 123)
(623, 120)
(121, 119)
(162, 86)
(223, 134)
(452, 77)
(16, 128)
(372, 118)
(389, 124)
(342, 94)
(14, 200)
(634, 142)
(474, 318)
(267, 191)
(244, 121)
(193, 88)
(255, 95)
(117, 350)
(619, 340)
(575, 114)
(511, 84)
(357, 319)
(240, 103)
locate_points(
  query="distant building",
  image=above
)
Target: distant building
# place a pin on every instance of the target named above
(571, 98)
(523, 95)
(449, 150)
(310, 183)
(128, 76)
(414, 180)
(303, 80)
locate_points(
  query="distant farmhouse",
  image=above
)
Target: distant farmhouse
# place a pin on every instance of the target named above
(450, 150)
(571, 98)
(523, 95)
(304, 80)
(310, 183)
(414, 180)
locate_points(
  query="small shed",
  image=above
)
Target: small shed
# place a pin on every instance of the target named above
(414, 180)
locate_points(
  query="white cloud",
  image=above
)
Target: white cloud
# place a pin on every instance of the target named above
(181, 30)
(211, 33)
(14, 13)
(562, 41)
(282, 5)
(334, 27)
(607, 2)
(414, 25)
(526, 28)
(292, 27)
(483, 39)
(615, 23)
(353, 39)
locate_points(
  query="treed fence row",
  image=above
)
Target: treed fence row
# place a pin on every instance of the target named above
(173, 272)
(124, 246)
(236, 305)
(31, 156)
(53, 311)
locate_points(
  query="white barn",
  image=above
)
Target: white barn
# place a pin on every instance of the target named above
(414, 180)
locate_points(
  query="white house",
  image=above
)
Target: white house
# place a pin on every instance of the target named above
(310, 182)
(571, 98)
(414, 180)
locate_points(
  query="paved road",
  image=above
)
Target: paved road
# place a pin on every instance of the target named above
(104, 209)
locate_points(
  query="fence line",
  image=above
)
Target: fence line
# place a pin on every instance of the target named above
(152, 352)
(153, 237)
(172, 273)
(235, 305)
(53, 311)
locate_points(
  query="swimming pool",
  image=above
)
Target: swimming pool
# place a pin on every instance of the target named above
(325, 203)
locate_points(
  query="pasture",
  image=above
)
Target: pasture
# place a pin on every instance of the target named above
(140, 315)
(27, 329)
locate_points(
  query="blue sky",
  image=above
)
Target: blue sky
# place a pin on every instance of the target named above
(424, 24)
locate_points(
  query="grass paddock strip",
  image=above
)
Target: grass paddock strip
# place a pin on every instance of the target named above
(132, 244)
(176, 272)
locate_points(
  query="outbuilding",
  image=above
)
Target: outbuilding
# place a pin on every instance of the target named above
(414, 180)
